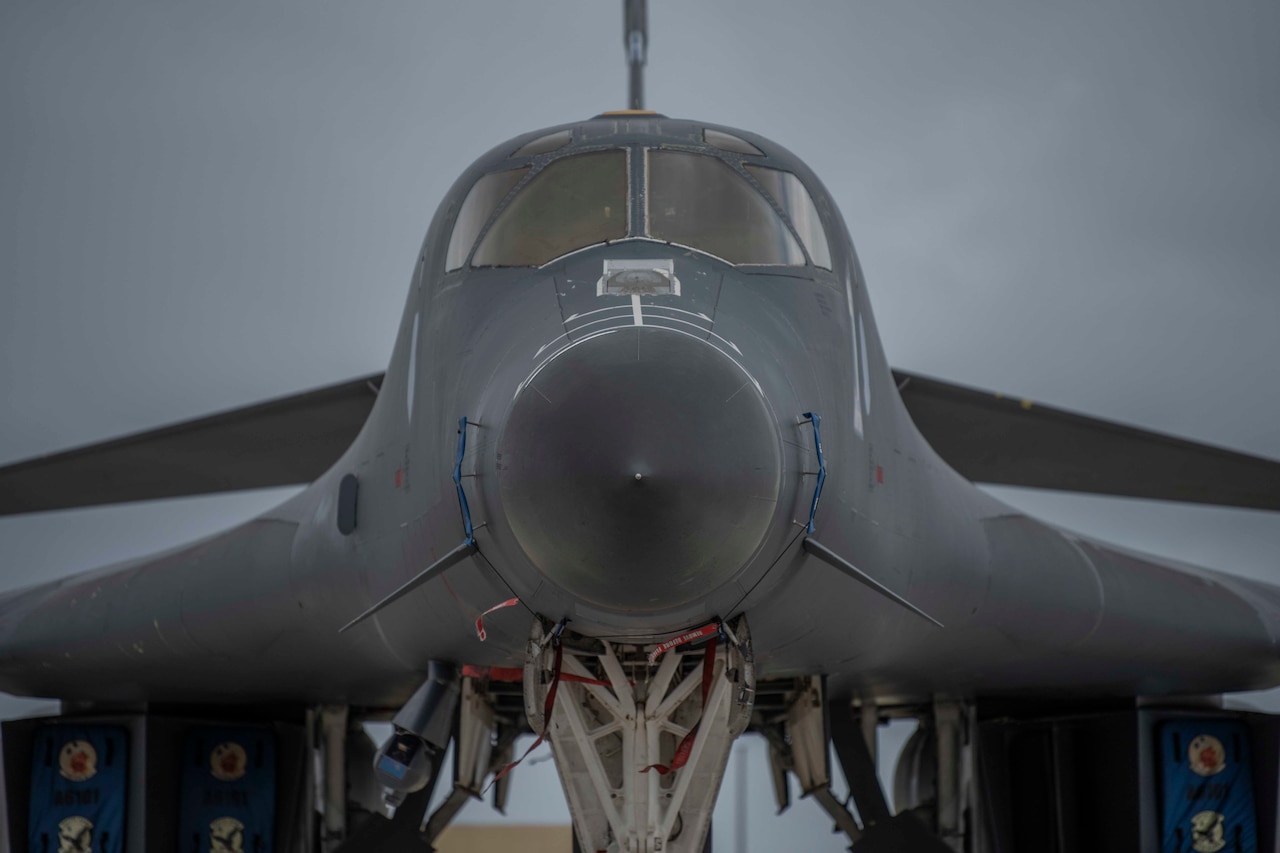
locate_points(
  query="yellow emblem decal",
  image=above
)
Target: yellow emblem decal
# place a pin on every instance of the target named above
(1206, 755)
(226, 835)
(78, 760)
(75, 835)
(1207, 835)
(227, 762)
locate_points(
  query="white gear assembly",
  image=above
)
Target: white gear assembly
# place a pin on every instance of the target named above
(640, 746)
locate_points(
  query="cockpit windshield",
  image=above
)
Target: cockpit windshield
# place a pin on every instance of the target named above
(699, 201)
(479, 205)
(792, 197)
(574, 202)
(689, 198)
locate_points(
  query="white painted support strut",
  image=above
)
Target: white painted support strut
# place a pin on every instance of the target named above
(603, 738)
(333, 729)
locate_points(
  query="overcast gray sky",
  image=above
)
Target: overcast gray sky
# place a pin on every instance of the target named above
(204, 205)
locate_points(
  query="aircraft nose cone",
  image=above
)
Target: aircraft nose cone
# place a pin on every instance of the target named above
(640, 469)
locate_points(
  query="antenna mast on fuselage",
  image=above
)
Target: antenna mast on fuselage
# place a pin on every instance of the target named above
(635, 37)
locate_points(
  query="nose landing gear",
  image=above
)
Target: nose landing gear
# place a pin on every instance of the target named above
(641, 734)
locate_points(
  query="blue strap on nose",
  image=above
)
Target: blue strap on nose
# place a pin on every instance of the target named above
(457, 481)
(813, 418)
(449, 560)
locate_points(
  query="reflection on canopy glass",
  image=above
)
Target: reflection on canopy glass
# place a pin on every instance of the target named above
(729, 142)
(698, 201)
(475, 212)
(544, 144)
(792, 197)
(574, 202)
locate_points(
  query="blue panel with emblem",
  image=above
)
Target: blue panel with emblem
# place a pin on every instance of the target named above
(228, 790)
(1206, 802)
(79, 785)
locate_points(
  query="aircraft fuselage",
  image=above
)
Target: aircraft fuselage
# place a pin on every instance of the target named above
(638, 381)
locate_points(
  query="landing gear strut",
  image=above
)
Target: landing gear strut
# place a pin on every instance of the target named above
(641, 737)
(798, 744)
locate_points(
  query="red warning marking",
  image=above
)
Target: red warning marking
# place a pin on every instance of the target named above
(547, 707)
(582, 679)
(399, 477)
(879, 474)
(696, 634)
(685, 748)
(480, 632)
(493, 673)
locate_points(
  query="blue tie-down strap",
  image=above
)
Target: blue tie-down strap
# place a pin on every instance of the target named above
(457, 481)
(79, 786)
(813, 418)
(1206, 788)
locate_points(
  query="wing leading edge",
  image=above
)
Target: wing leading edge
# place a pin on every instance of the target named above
(991, 438)
(281, 442)
(987, 437)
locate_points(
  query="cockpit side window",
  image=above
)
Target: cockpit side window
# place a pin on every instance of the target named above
(573, 202)
(699, 201)
(485, 196)
(793, 198)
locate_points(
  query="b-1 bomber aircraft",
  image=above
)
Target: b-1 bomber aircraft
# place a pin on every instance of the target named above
(639, 480)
